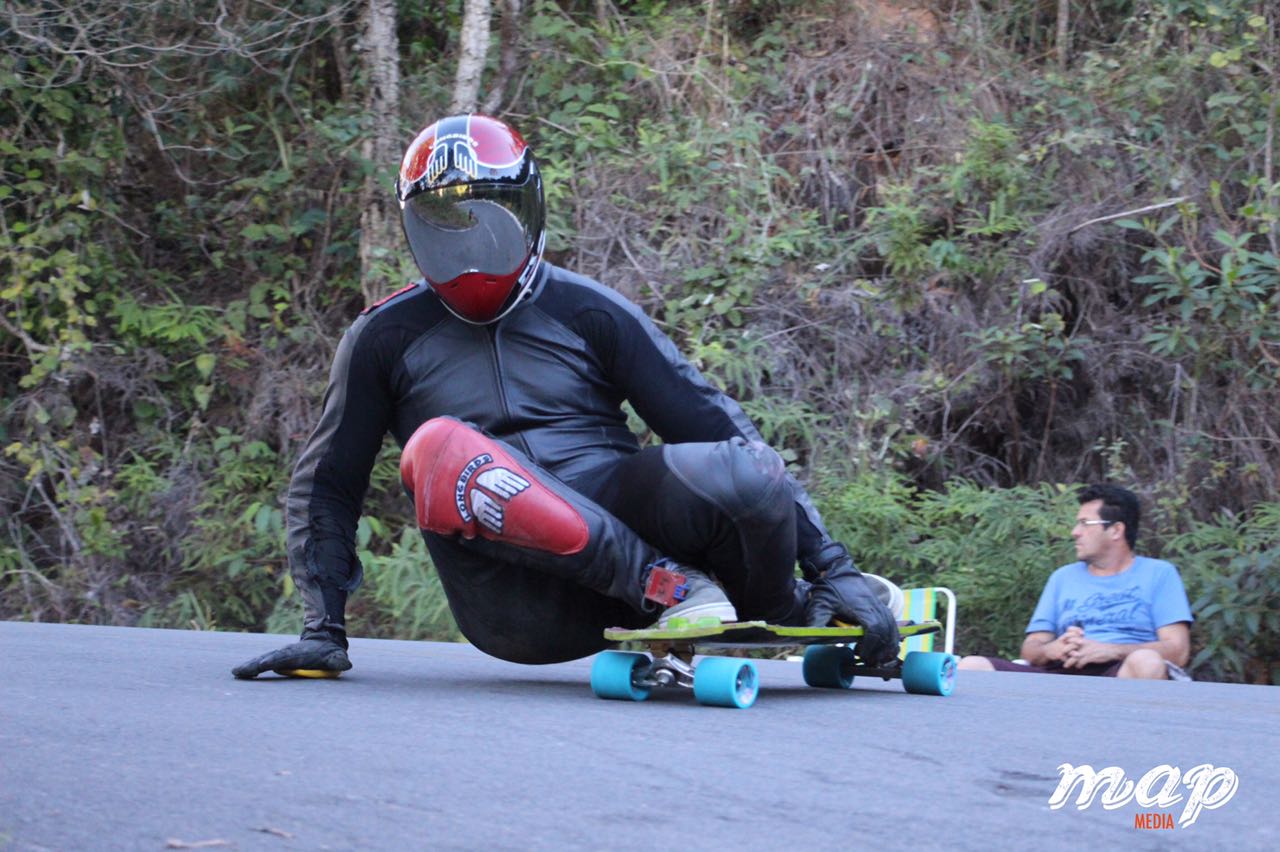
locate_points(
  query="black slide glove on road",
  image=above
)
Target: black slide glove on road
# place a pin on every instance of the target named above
(841, 591)
(316, 650)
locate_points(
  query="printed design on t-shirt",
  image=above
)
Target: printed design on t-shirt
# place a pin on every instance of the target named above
(1125, 608)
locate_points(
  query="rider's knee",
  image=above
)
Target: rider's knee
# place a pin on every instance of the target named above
(464, 483)
(744, 479)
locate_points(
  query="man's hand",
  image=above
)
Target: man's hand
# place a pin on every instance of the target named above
(841, 591)
(1084, 652)
(1060, 649)
(316, 650)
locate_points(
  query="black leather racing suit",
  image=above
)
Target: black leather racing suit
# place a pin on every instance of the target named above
(548, 380)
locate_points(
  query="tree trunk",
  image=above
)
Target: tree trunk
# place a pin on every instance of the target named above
(1063, 42)
(1268, 151)
(474, 49)
(510, 55)
(382, 146)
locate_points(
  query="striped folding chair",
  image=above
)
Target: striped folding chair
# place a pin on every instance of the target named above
(922, 605)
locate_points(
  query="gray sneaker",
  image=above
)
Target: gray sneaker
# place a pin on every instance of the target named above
(703, 601)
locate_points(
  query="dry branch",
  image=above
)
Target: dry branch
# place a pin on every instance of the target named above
(1135, 212)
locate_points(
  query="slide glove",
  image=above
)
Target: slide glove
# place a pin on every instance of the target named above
(841, 591)
(317, 650)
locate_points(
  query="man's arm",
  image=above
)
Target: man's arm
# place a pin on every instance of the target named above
(680, 405)
(1042, 645)
(1042, 648)
(329, 482)
(1174, 644)
(324, 500)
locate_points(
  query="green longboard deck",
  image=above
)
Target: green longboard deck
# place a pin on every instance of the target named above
(756, 634)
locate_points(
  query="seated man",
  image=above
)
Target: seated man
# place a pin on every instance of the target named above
(1113, 613)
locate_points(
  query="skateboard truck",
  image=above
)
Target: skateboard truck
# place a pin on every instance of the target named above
(886, 671)
(667, 670)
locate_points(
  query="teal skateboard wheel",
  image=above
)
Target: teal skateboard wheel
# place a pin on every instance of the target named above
(829, 666)
(613, 675)
(929, 673)
(724, 682)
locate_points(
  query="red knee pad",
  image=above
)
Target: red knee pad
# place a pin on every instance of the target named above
(464, 483)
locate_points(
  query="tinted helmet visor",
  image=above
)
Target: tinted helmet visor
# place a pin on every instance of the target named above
(474, 241)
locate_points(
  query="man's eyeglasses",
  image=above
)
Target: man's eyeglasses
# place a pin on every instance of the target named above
(1103, 524)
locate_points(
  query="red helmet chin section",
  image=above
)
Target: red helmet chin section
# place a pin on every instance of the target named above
(476, 296)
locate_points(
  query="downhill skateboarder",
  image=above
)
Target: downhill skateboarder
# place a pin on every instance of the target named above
(502, 378)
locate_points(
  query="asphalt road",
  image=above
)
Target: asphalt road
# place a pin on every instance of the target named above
(118, 738)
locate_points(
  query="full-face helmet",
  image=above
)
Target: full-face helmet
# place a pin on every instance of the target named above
(472, 207)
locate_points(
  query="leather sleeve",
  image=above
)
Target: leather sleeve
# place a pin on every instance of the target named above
(332, 475)
(680, 405)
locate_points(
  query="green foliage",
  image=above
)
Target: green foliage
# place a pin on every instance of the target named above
(235, 546)
(401, 597)
(994, 548)
(742, 368)
(876, 516)
(700, 180)
(156, 253)
(955, 220)
(1231, 568)
(405, 598)
(1042, 349)
(1219, 302)
(899, 231)
(51, 266)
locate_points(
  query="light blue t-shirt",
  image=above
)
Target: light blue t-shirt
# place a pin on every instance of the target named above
(1123, 608)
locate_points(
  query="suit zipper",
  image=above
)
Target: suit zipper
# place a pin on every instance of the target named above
(502, 388)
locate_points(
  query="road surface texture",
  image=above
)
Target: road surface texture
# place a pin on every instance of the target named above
(120, 738)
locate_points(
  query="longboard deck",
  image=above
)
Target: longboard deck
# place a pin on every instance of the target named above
(756, 634)
(831, 661)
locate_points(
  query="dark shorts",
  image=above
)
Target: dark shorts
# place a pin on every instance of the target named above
(1094, 669)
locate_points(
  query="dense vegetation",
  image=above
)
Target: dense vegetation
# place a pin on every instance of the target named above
(903, 240)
